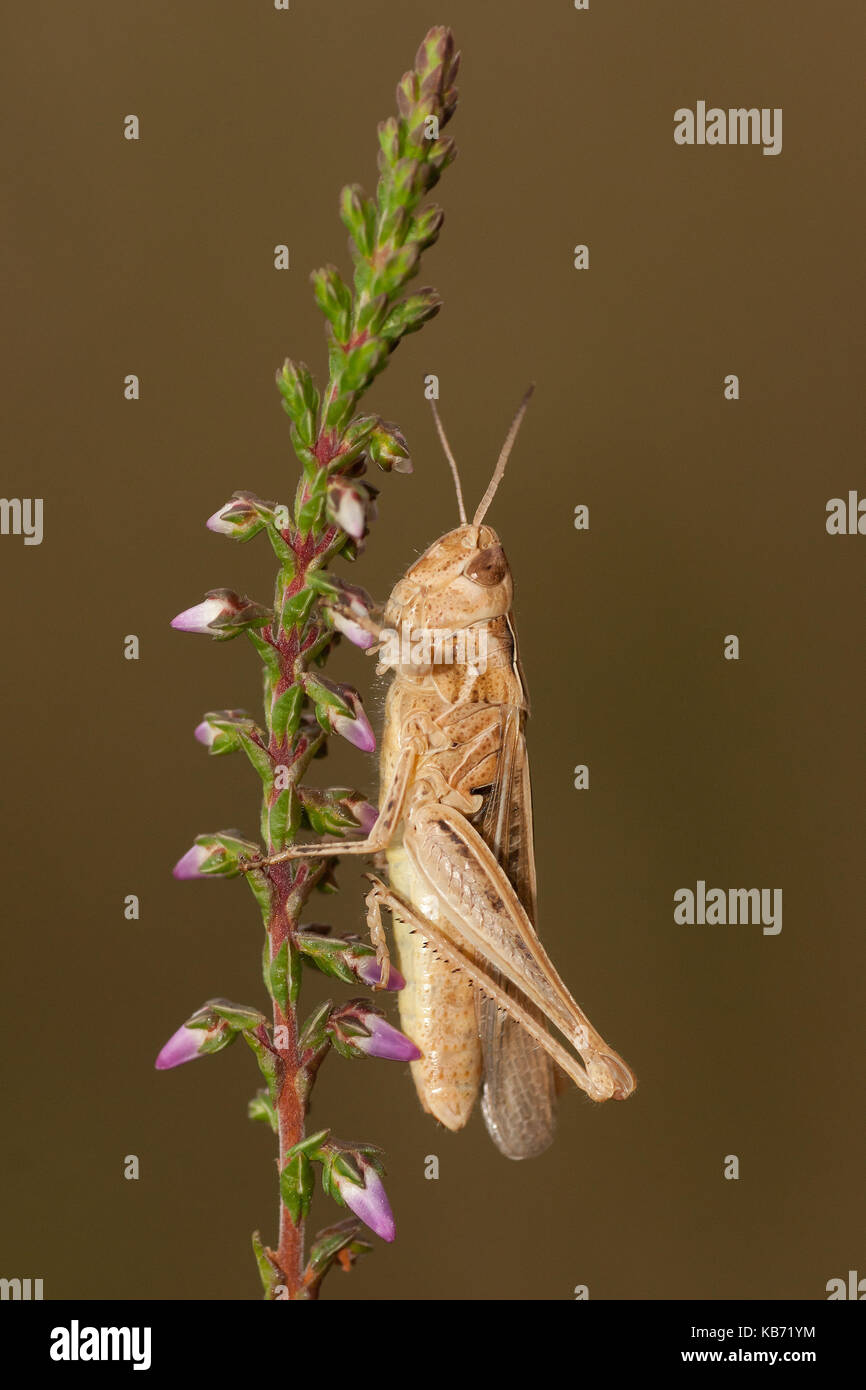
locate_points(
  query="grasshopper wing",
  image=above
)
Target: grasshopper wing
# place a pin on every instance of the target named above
(519, 1099)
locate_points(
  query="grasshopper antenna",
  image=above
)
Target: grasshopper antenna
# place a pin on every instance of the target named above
(452, 461)
(502, 460)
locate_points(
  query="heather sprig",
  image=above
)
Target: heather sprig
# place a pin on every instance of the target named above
(330, 518)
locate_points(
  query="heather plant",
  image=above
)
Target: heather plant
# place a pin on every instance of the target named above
(294, 636)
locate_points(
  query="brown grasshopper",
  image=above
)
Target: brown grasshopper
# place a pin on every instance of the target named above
(455, 824)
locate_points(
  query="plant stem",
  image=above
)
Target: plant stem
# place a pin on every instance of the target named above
(291, 885)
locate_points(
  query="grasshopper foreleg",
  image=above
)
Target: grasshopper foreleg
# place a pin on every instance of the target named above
(378, 839)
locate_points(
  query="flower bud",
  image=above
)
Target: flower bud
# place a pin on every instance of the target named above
(214, 856)
(220, 730)
(367, 1198)
(218, 603)
(222, 614)
(344, 957)
(351, 629)
(367, 969)
(379, 1039)
(339, 708)
(365, 813)
(346, 507)
(348, 610)
(190, 865)
(182, 1046)
(241, 518)
(350, 506)
(210, 1029)
(356, 727)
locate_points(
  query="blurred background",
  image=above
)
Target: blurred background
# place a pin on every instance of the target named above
(706, 519)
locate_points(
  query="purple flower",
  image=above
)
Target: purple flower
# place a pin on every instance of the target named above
(368, 970)
(242, 518)
(339, 708)
(181, 1047)
(349, 612)
(347, 505)
(365, 814)
(190, 865)
(218, 603)
(352, 629)
(370, 1202)
(355, 727)
(218, 523)
(383, 1040)
(220, 731)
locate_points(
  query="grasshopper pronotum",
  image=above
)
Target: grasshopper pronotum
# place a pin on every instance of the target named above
(455, 824)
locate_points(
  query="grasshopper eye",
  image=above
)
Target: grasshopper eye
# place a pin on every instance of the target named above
(487, 567)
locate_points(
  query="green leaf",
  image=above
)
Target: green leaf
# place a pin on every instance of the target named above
(411, 314)
(424, 229)
(363, 362)
(345, 1235)
(358, 213)
(400, 267)
(224, 850)
(340, 407)
(260, 887)
(328, 954)
(284, 818)
(278, 982)
(325, 692)
(261, 1108)
(309, 1145)
(308, 514)
(281, 549)
(298, 390)
(314, 1034)
(334, 298)
(371, 314)
(269, 1064)
(238, 1016)
(296, 1187)
(324, 810)
(268, 1273)
(259, 757)
(269, 655)
(286, 712)
(389, 140)
(296, 610)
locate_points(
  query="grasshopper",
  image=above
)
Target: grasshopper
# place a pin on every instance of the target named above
(455, 825)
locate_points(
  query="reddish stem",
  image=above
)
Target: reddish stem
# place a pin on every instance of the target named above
(291, 884)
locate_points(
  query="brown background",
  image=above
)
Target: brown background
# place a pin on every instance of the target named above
(706, 518)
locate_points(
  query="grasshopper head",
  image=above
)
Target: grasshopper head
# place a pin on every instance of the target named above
(463, 578)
